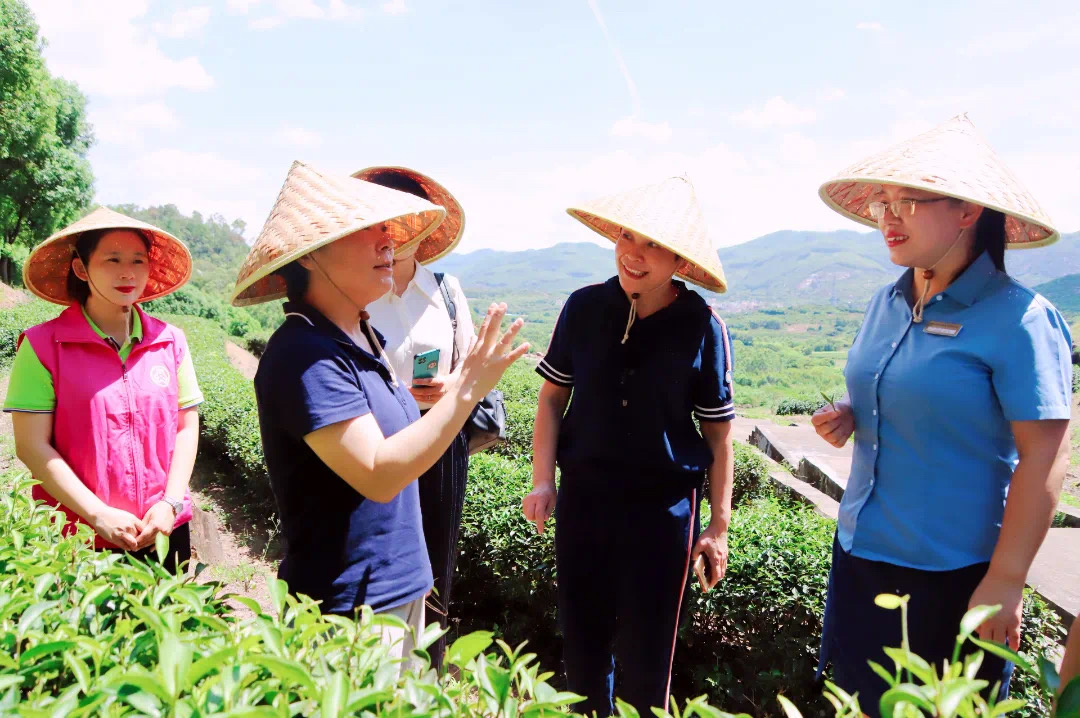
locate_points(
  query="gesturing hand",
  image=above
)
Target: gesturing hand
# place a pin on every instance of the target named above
(538, 506)
(491, 354)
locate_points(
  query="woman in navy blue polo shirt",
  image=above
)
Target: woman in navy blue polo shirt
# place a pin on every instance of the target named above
(343, 438)
(642, 356)
(958, 394)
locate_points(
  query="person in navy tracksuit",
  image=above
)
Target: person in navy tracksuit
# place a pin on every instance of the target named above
(643, 356)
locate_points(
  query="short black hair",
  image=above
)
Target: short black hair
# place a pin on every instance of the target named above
(85, 245)
(297, 278)
(400, 182)
(990, 236)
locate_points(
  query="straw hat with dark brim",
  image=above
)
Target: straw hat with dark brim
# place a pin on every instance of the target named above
(446, 236)
(952, 160)
(668, 214)
(46, 270)
(316, 208)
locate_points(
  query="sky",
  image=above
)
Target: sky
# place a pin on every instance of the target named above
(524, 108)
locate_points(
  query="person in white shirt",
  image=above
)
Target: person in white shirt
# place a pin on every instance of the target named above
(414, 319)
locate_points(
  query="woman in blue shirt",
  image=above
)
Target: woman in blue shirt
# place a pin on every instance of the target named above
(958, 394)
(642, 356)
(343, 437)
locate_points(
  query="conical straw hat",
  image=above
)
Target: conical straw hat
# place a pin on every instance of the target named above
(668, 214)
(953, 160)
(446, 236)
(314, 209)
(46, 270)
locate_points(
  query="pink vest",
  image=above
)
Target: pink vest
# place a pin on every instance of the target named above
(114, 422)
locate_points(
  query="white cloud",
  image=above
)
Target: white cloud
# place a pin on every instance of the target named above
(395, 7)
(184, 22)
(125, 123)
(267, 23)
(1063, 32)
(297, 137)
(202, 181)
(630, 126)
(832, 94)
(776, 112)
(240, 7)
(101, 46)
(871, 26)
(286, 10)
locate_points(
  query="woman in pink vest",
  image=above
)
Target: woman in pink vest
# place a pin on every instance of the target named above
(102, 397)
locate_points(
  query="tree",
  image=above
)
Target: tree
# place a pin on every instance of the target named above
(45, 177)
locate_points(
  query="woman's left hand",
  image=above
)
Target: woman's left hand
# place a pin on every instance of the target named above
(160, 518)
(429, 391)
(712, 544)
(1003, 627)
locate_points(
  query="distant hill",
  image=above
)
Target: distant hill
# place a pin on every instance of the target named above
(217, 247)
(1064, 293)
(783, 268)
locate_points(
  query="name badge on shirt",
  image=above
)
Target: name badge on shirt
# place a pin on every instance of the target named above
(943, 329)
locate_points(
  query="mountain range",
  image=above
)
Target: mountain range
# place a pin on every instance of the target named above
(783, 268)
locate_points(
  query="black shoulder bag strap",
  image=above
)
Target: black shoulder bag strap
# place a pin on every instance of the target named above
(451, 309)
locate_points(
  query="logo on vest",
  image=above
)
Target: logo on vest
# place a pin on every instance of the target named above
(160, 376)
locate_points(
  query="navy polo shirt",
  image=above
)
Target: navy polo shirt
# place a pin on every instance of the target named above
(934, 449)
(633, 405)
(341, 548)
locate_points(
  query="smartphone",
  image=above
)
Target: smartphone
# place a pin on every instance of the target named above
(703, 569)
(426, 365)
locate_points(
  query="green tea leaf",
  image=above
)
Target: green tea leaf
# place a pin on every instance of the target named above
(790, 711)
(976, 617)
(44, 649)
(161, 546)
(285, 669)
(903, 693)
(889, 601)
(1007, 653)
(468, 647)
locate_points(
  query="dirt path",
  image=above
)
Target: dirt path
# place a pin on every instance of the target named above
(9, 296)
(245, 362)
(1072, 474)
(244, 547)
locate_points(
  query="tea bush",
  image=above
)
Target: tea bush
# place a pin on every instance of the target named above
(15, 320)
(96, 633)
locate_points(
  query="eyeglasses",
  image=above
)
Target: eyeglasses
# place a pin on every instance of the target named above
(899, 207)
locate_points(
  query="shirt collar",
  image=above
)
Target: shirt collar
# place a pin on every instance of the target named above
(618, 298)
(424, 280)
(136, 327)
(965, 289)
(316, 319)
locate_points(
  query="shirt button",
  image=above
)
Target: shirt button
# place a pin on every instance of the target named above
(875, 412)
(875, 447)
(876, 375)
(894, 345)
(624, 402)
(937, 298)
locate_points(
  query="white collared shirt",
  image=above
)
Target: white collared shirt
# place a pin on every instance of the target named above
(417, 322)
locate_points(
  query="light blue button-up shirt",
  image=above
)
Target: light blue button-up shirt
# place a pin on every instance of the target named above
(934, 450)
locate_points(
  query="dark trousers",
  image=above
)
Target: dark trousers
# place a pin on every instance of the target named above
(622, 565)
(856, 629)
(179, 549)
(442, 496)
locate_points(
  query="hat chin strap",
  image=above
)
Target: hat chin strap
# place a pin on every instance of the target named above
(633, 311)
(363, 317)
(928, 274)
